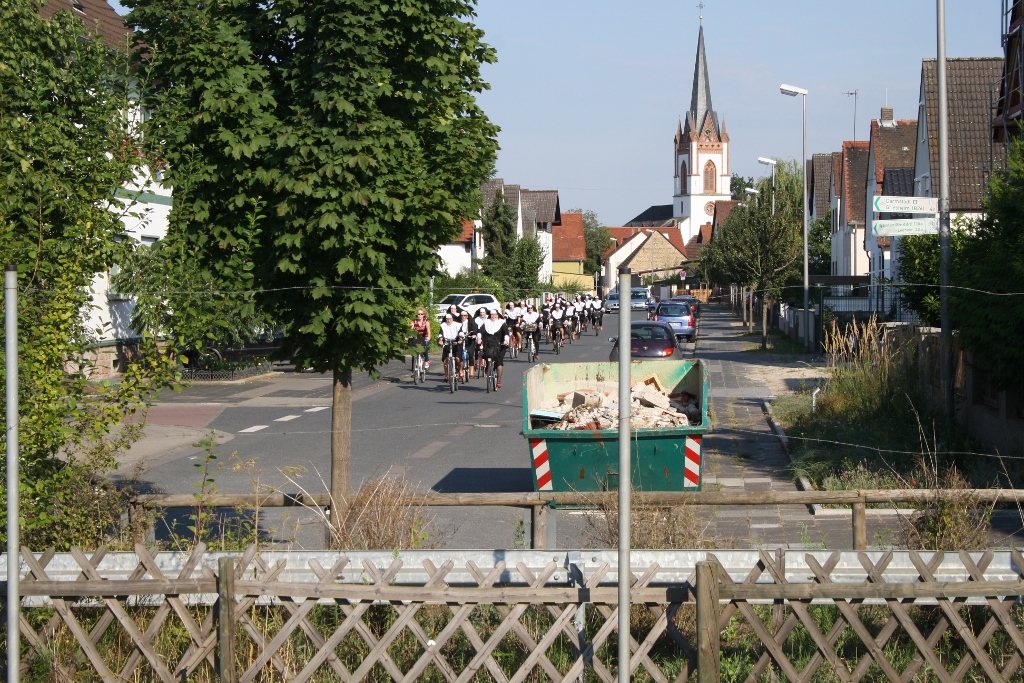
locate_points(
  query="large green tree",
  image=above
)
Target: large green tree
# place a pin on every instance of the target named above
(68, 147)
(988, 269)
(596, 238)
(356, 121)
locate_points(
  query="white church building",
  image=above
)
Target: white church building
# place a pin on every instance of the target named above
(702, 175)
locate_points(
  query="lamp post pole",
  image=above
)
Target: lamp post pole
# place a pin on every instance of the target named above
(625, 469)
(771, 162)
(13, 478)
(945, 253)
(793, 91)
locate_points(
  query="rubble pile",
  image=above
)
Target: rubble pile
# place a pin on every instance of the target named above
(651, 406)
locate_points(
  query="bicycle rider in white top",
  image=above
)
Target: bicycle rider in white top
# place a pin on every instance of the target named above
(494, 339)
(451, 333)
(532, 318)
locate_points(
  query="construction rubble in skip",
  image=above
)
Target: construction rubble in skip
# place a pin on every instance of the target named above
(651, 407)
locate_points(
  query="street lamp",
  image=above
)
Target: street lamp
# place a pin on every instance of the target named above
(793, 91)
(770, 162)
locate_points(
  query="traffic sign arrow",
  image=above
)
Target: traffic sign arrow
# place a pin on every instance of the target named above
(905, 204)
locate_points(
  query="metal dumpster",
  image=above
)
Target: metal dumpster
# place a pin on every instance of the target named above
(664, 459)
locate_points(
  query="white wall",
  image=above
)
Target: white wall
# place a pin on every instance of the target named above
(456, 258)
(544, 237)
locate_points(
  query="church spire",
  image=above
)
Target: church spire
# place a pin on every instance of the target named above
(700, 102)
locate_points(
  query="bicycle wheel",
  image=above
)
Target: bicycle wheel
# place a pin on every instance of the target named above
(558, 343)
(487, 377)
(453, 379)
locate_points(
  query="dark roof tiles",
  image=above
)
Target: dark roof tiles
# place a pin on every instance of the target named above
(855, 175)
(98, 16)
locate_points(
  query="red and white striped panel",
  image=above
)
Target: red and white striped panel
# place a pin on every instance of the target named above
(540, 464)
(692, 472)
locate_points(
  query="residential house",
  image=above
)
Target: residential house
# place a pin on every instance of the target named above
(1007, 121)
(721, 212)
(541, 213)
(109, 312)
(835, 185)
(459, 255)
(848, 239)
(628, 240)
(657, 251)
(892, 148)
(569, 253)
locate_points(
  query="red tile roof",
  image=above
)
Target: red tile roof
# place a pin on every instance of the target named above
(98, 16)
(622, 235)
(568, 242)
(467, 233)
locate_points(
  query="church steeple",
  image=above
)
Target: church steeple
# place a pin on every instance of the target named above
(700, 101)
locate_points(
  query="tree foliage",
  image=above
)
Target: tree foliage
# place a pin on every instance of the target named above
(739, 186)
(596, 238)
(819, 246)
(68, 149)
(499, 226)
(990, 258)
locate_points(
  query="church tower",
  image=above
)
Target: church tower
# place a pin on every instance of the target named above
(701, 146)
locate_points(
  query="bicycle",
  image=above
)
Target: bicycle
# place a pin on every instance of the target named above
(531, 350)
(491, 373)
(419, 370)
(514, 346)
(556, 338)
(453, 374)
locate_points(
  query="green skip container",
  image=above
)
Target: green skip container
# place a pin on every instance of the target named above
(664, 459)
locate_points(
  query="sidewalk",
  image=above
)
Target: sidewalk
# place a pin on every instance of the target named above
(744, 454)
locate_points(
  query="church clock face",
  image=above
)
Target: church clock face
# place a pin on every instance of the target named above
(709, 208)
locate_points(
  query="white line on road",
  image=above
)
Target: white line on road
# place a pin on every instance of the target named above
(765, 526)
(315, 410)
(488, 413)
(429, 449)
(287, 418)
(249, 430)
(461, 430)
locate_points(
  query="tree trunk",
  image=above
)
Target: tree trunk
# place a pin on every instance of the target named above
(764, 322)
(743, 303)
(341, 445)
(750, 318)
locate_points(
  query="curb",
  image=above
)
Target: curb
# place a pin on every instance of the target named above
(805, 483)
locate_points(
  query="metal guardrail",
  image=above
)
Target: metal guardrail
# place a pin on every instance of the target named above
(540, 503)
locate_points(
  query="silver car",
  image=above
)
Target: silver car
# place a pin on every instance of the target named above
(679, 317)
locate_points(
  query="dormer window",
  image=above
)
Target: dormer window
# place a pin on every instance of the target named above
(78, 6)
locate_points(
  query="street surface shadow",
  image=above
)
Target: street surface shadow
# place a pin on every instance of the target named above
(486, 480)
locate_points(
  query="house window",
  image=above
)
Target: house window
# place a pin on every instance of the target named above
(709, 178)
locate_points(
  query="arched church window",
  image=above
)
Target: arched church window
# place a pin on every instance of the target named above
(683, 180)
(709, 178)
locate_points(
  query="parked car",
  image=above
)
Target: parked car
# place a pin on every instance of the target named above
(679, 317)
(649, 340)
(612, 302)
(690, 301)
(638, 298)
(469, 302)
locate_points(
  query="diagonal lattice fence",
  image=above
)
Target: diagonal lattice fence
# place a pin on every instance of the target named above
(517, 616)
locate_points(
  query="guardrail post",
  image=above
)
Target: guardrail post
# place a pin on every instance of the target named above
(539, 526)
(707, 623)
(860, 526)
(576, 575)
(226, 620)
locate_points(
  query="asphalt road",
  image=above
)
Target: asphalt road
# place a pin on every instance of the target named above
(469, 441)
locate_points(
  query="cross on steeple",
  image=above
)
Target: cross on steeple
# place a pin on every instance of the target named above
(701, 7)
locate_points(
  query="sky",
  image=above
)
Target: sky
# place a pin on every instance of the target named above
(588, 92)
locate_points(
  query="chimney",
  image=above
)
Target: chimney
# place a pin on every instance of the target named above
(887, 121)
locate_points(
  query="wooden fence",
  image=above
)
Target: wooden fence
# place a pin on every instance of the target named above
(896, 616)
(540, 503)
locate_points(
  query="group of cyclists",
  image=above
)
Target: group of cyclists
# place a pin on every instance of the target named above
(479, 342)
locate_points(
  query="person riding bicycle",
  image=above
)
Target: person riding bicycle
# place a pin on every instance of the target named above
(512, 315)
(469, 330)
(422, 326)
(531, 326)
(455, 311)
(598, 312)
(558, 319)
(451, 340)
(494, 339)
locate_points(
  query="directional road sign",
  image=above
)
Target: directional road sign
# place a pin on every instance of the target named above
(908, 226)
(905, 204)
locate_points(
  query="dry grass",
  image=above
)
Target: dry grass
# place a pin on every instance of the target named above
(652, 527)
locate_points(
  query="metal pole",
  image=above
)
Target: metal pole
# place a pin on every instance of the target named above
(13, 501)
(945, 256)
(807, 231)
(625, 469)
(773, 189)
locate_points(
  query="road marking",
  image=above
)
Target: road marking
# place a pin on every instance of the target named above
(459, 431)
(489, 426)
(429, 449)
(316, 410)
(765, 526)
(252, 429)
(488, 413)
(287, 418)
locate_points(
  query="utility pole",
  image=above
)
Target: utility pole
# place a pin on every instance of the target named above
(854, 94)
(945, 255)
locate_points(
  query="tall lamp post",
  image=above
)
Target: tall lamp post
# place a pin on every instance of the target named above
(793, 91)
(770, 162)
